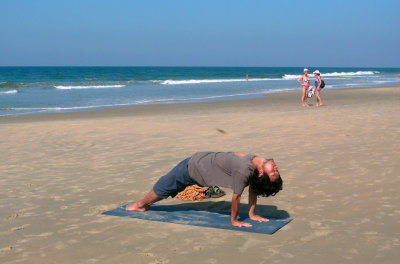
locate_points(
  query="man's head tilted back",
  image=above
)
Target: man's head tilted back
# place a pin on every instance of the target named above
(269, 183)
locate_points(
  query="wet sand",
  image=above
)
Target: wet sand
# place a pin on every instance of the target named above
(340, 165)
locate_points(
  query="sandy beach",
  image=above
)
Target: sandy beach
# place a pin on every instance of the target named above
(340, 165)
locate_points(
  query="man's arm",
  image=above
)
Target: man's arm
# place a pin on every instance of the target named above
(252, 208)
(235, 211)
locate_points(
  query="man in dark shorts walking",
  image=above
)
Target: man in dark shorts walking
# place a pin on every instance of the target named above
(225, 169)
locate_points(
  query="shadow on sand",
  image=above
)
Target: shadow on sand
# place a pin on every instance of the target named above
(223, 207)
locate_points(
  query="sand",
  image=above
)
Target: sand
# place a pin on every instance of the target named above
(340, 164)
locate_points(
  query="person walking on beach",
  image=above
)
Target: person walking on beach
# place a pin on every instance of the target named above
(319, 84)
(304, 81)
(226, 169)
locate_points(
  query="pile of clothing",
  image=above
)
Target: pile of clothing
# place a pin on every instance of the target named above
(198, 193)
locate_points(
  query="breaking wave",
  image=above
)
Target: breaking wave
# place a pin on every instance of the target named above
(9, 92)
(335, 74)
(62, 87)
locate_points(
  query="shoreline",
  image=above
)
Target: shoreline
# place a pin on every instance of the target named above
(271, 100)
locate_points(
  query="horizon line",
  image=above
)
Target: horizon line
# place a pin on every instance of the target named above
(202, 66)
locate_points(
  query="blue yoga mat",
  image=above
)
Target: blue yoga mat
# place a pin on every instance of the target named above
(199, 217)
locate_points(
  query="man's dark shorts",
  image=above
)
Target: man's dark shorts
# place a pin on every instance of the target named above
(174, 181)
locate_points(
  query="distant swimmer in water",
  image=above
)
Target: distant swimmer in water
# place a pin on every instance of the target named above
(247, 76)
(304, 81)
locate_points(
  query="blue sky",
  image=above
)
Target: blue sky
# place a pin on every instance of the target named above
(200, 33)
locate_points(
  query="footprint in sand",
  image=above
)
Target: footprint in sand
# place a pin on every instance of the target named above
(315, 224)
(41, 235)
(273, 251)
(148, 254)
(160, 261)
(365, 220)
(72, 241)
(60, 245)
(198, 248)
(84, 201)
(93, 232)
(18, 228)
(67, 229)
(250, 243)
(316, 234)
(13, 216)
(92, 260)
(58, 198)
(6, 249)
(101, 208)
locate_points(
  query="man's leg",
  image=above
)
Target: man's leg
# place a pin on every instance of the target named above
(144, 204)
(169, 185)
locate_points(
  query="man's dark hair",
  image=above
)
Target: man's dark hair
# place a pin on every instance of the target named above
(263, 186)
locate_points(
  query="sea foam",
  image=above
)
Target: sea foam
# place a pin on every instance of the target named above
(172, 82)
(62, 87)
(9, 92)
(334, 74)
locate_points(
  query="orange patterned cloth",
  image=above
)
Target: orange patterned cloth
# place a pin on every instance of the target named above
(192, 193)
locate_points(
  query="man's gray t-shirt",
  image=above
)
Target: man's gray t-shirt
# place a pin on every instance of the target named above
(223, 169)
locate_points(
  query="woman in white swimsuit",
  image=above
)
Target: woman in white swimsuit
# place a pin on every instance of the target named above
(304, 81)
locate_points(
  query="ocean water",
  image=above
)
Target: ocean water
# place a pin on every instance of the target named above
(40, 90)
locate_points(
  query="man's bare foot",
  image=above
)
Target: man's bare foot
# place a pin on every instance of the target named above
(241, 224)
(136, 207)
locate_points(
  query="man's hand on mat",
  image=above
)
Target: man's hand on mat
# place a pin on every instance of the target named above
(241, 224)
(258, 218)
(136, 207)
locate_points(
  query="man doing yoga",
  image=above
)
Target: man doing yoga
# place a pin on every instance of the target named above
(225, 169)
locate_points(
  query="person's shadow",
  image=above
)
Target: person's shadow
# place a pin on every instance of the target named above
(224, 208)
